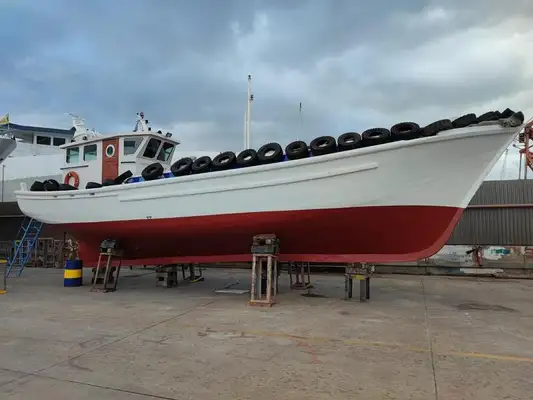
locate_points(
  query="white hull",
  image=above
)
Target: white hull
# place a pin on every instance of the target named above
(445, 170)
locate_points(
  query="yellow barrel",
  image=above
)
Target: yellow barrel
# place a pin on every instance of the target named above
(73, 276)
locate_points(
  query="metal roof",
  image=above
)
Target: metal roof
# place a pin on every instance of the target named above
(37, 129)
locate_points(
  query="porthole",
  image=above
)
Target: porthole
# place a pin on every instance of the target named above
(110, 150)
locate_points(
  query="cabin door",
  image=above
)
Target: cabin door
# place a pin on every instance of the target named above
(110, 159)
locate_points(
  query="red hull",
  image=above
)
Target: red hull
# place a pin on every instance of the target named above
(361, 234)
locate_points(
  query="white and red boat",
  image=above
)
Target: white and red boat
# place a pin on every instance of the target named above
(389, 202)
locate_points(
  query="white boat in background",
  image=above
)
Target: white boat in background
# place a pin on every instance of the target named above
(7, 145)
(383, 196)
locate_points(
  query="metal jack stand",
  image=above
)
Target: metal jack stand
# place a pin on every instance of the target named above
(301, 270)
(108, 248)
(166, 276)
(193, 278)
(361, 272)
(264, 287)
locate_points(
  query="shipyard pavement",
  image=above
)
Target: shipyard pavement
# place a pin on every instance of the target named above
(417, 338)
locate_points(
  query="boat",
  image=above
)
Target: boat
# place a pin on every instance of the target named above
(8, 144)
(387, 195)
(7, 141)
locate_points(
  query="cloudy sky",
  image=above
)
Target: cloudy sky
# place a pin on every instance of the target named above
(354, 64)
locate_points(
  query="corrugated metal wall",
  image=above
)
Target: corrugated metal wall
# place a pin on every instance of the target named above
(501, 213)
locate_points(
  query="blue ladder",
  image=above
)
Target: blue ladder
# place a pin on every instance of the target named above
(24, 245)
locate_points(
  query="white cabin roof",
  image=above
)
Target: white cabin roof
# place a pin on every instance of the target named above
(99, 138)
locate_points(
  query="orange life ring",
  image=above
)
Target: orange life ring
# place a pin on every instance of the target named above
(69, 176)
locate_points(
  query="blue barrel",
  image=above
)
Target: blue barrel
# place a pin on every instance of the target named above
(73, 273)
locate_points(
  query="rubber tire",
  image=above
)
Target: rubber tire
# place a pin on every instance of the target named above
(119, 180)
(297, 150)
(275, 157)
(323, 145)
(349, 141)
(66, 186)
(92, 185)
(436, 127)
(247, 158)
(489, 116)
(51, 185)
(201, 165)
(37, 186)
(405, 131)
(223, 161)
(109, 182)
(464, 121)
(520, 116)
(375, 136)
(182, 167)
(506, 113)
(152, 172)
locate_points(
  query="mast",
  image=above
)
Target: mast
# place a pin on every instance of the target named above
(248, 112)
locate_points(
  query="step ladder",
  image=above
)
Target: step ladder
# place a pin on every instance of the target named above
(24, 245)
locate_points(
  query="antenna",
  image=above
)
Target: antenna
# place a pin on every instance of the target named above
(301, 122)
(248, 118)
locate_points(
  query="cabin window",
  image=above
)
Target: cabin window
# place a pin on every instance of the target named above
(89, 153)
(131, 146)
(166, 152)
(45, 140)
(59, 141)
(151, 148)
(73, 155)
(110, 150)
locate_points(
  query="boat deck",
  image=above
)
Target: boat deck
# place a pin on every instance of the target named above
(466, 338)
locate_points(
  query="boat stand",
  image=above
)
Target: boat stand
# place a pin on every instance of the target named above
(301, 271)
(193, 278)
(104, 277)
(264, 286)
(166, 276)
(361, 272)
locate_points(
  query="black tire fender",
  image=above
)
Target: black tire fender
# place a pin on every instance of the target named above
(152, 171)
(66, 186)
(464, 121)
(270, 153)
(349, 141)
(92, 185)
(119, 180)
(201, 165)
(323, 145)
(506, 113)
(109, 182)
(37, 186)
(375, 136)
(436, 127)
(405, 131)
(297, 150)
(182, 167)
(247, 158)
(51, 185)
(489, 116)
(223, 161)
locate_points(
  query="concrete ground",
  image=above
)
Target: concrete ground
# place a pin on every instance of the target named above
(418, 338)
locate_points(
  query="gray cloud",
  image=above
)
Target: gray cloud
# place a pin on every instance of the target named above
(353, 64)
